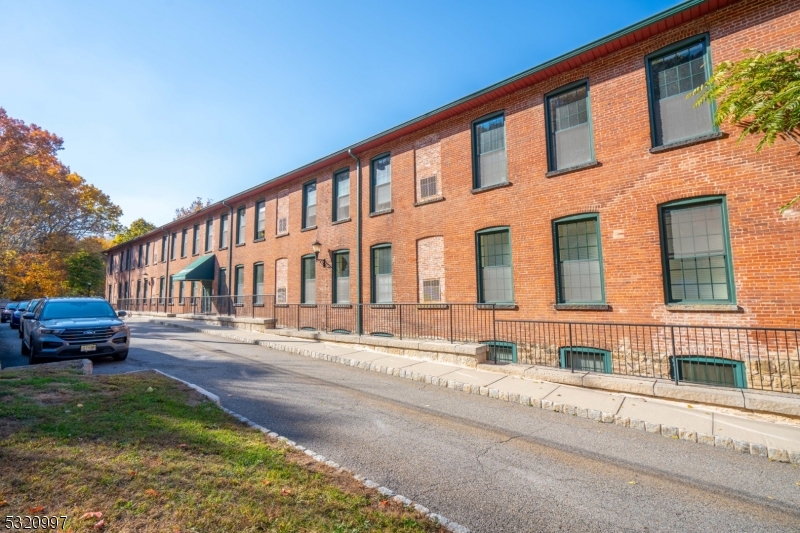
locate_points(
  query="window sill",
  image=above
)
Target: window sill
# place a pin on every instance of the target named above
(258, 305)
(260, 239)
(278, 236)
(208, 252)
(342, 306)
(348, 219)
(570, 170)
(491, 187)
(310, 306)
(381, 306)
(703, 308)
(432, 306)
(429, 201)
(582, 307)
(195, 255)
(688, 142)
(223, 248)
(497, 306)
(282, 306)
(379, 213)
(308, 229)
(240, 244)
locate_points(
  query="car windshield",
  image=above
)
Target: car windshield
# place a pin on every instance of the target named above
(77, 309)
(22, 306)
(12, 306)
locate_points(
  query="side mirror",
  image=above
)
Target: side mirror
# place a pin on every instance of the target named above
(27, 316)
(122, 313)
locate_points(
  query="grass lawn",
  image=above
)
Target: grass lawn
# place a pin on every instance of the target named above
(152, 455)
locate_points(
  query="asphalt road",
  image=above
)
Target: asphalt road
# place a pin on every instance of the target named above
(489, 465)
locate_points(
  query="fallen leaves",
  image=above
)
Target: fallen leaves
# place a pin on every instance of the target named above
(384, 503)
(92, 514)
(632, 483)
(37, 509)
(4, 502)
(286, 491)
(153, 493)
(100, 525)
(132, 473)
(267, 482)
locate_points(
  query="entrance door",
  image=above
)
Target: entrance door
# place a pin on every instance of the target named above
(205, 299)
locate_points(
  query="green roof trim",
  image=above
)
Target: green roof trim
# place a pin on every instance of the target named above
(200, 270)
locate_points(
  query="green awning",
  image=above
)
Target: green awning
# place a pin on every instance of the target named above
(200, 270)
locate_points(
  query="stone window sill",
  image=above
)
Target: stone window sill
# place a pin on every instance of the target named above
(348, 219)
(258, 305)
(310, 228)
(582, 307)
(342, 306)
(703, 308)
(491, 187)
(432, 306)
(570, 170)
(314, 306)
(427, 201)
(282, 306)
(688, 142)
(260, 239)
(223, 247)
(381, 306)
(240, 244)
(379, 213)
(278, 236)
(496, 306)
(195, 255)
(208, 252)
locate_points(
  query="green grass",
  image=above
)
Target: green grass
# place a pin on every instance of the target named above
(153, 455)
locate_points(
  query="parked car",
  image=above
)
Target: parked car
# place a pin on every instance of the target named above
(17, 314)
(31, 309)
(69, 328)
(5, 315)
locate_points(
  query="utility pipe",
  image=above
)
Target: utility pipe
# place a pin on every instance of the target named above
(358, 240)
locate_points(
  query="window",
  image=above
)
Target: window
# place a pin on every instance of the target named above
(489, 151)
(282, 226)
(209, 235)
(223, 231)
(196, 239)
(501, 352)
(222, 283)
(310, 205)
(261, 219)
(569, 127)
(382, 274)
(174, 241)
(138, 289)
(709, 370)
(110, 264)
(146, 286)
(110, 291)
(341, 277)
(140, 257)
(341, 195)
(180, 292)
(184, 241)
(164, 240)
(171, 289)
(579, 272)
(427, 187)
(119, 291)
(280, 297)
(588, 359)
(430, 290)
(308, 289)
(147, 254)
(258, 283)
(495, 282)
(238, 287)
(128, 259)
(671, 75)
(240, 225)
(381, 183)
(161, 282)
(696, 252)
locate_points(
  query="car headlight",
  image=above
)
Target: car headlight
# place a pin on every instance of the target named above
(48, 331)
(117, 329)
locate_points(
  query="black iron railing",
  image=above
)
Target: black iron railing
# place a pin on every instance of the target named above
(756, 358)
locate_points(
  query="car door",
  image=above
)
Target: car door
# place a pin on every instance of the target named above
(30, 324)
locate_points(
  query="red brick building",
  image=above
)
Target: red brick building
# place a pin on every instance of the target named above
(587, 189)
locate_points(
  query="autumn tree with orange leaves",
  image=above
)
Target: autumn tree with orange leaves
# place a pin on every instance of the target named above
(48, 214)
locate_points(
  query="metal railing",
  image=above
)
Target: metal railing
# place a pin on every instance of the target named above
(756, 358)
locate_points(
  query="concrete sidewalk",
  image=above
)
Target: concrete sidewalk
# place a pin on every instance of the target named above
(768, 436)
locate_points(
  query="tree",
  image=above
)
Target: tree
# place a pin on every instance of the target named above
(194, 207)
(137, 228)
(761, 94)
(85, 273)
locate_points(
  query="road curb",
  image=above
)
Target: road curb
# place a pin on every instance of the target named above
(454, 527)
(759, 450)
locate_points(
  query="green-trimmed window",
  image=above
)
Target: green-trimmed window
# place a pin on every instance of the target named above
(171, 289)
(696, 251)
(140, 256)
(196, 239)
(161, 282)
(147, 254)
(145, 293)
(710, 371)
(310, 204)
(180, 292)
(588, 359)
(223, 231)
(184, 241)
(308, 287)
(579, 260)
(382, 274)
(341, 195)
(258, 283)
(174, 245)
(381, 177)
(240, 225)
(569, 127)
(222, 283)
(164, 248)
(501, 352)
(495, 280)
(341, 277)
(261, 219)
(238, 285)
(489, 151)
(209, 235)
(673, 73)
(138, 289)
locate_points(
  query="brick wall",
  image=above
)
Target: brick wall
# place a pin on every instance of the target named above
(625, 189)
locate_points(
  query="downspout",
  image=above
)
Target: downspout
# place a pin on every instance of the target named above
(230, 247)
(358, 241)
(167, 259)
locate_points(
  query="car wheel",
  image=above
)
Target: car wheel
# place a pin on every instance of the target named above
(23, 348)
(120, 356)
(32, 359)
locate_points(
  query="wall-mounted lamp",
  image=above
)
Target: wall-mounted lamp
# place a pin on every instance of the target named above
(316, 246)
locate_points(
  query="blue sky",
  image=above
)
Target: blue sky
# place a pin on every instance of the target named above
(160, 102)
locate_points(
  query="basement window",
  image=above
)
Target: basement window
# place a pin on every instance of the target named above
(709, 371)
(501, 352)
(586, 359)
